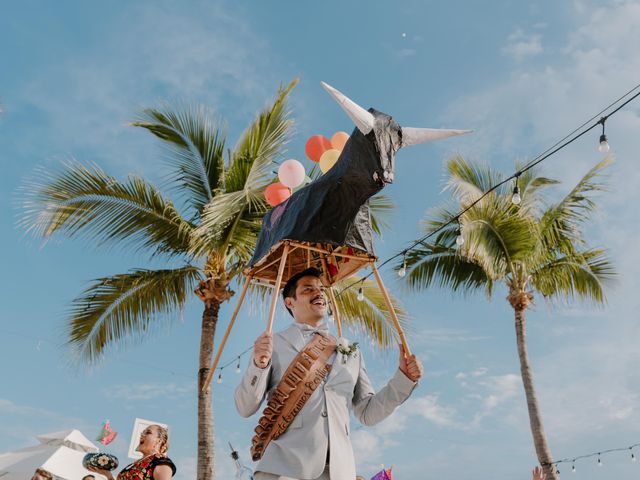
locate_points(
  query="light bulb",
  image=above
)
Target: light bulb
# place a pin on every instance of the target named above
(220, 378)
(403, 270)
(360, 294)
(573, 469)
(599, 462)
(604, 145)
(238, 370)
(516, 198)
(633, 457)
(459, 238)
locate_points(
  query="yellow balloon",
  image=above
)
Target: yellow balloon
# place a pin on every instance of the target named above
(329, 159)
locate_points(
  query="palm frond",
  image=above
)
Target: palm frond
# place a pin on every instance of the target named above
(561, 223)
(582, 276)
(196, 146)
(85, 201)
(250, 167)
(380, 207)
(125, 307)
(369, 316)
(469, 181)
(443, 266)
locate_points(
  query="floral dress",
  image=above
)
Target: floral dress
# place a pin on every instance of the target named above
(143, 468)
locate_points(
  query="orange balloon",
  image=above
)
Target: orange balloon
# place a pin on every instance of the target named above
(329, 159)
(339, 140)
(276, 193)
(316, 146)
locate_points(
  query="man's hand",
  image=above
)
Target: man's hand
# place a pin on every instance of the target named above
(538, 474)
(410, 366)
(262, 349)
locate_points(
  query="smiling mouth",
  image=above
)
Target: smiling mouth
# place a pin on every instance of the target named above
(320, 301)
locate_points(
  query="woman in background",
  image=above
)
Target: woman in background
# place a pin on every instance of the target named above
(154, 443)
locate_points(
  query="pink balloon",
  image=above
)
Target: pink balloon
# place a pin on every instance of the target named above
(291, 173)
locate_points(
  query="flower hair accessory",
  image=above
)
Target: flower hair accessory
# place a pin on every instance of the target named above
(346, 349)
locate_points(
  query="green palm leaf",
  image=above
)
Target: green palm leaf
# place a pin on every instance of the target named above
(370, 316)
(86, 202)
(125, 307)
(196, 150)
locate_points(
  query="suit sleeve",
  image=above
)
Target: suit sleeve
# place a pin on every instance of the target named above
(252, 389)
(371, 407)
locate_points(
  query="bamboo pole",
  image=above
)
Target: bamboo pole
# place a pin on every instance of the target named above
(226, 334)
(336, 311)
(276, 290)
(394, 317)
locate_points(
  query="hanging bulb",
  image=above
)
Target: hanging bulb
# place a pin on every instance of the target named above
(238, 369)
(573, 468)
(220, 378)
(360, 294)
(403, 269)
(516, 198)
(459, 238)
(604, 145)
(599, 461)
(633, 457)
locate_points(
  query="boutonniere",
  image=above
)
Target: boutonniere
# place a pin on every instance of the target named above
(347, 349)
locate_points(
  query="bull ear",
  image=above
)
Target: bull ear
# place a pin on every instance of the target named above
(415, 136)
(363, 119)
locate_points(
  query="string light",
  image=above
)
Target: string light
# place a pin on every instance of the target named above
(238, 369)
(403, 269)
(360, 294)
(516, 198)
(599, 461)
(599, 454)
(220, 377)
(633, 457)
(603, 147)
(573, 467)
(459, 237)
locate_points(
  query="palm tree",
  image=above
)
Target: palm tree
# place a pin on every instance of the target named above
(205, 246)
(536, 246)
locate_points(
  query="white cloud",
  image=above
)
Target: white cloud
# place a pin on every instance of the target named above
(519, 45)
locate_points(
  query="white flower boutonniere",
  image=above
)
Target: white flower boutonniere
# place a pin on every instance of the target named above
(347, 349)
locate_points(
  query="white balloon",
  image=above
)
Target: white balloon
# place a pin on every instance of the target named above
(291, 173)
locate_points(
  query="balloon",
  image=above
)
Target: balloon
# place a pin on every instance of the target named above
(316, 146)
(328, 159)
(276, 193)
(339, 139)
(291, 173)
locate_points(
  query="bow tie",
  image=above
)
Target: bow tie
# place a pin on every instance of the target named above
(306, 330)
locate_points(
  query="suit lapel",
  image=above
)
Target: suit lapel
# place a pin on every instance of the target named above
(293, 336)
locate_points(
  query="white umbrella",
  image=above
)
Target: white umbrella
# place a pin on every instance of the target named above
(60, 453)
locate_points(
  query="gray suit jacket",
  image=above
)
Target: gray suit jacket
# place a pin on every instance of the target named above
(323, 423)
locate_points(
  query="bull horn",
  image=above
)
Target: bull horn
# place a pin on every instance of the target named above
(364, 120)
(415, 136)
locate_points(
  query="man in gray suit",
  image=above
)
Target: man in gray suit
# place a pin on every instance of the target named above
(317, 444)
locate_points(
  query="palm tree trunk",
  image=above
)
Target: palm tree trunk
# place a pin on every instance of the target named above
(535, 419)
(205, 404)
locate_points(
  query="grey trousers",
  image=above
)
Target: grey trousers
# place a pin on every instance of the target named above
(270, 476)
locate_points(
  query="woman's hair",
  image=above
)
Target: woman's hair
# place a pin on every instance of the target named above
(43, 473)
(163, 434)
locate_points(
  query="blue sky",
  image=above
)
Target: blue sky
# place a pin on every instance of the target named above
(522, 76)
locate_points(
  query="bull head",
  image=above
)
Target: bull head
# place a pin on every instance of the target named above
(389, 136)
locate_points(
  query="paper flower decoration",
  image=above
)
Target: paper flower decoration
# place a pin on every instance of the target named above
(106, 435)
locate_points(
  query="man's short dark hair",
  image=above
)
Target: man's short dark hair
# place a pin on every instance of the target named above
(289, 289)
(88, 476)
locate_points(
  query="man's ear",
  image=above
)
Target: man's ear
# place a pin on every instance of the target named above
(288, 302)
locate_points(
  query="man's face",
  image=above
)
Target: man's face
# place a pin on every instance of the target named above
(310, 303)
